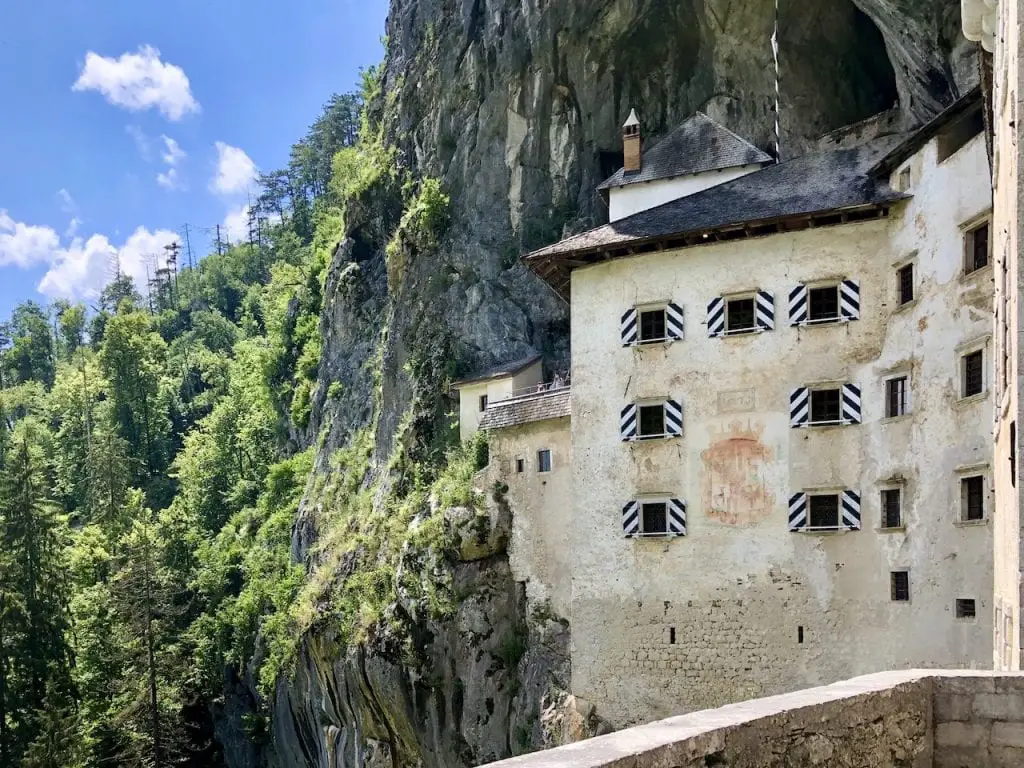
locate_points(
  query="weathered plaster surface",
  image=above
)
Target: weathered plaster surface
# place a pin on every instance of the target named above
(625, 201)
(1006, 333)
(739, 587)
(541, 504)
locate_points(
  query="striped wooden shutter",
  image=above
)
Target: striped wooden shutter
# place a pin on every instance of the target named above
(676, 517)
(629, 327)
(851, 510)
(764, 310)
(673, 418)
(798, 511)
(627, 422)
(851, 404)
(631, 519)
(674, 321)
(799, 407)
(849, 299)
(798, 305)
(716, 317)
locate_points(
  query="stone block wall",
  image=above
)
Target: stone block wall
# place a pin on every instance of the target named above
(979, 722)
(912, 719)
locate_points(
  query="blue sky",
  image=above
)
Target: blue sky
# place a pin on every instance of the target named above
(92, 87)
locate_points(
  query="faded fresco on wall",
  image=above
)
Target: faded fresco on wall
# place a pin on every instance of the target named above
(735, 486)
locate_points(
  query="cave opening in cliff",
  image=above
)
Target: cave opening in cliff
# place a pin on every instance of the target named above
(874, 60)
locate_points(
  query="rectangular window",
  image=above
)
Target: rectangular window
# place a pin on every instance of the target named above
(972, 498)
(892, 516)
(652, 326)
(520, 465)
(958, 133)
(973, 373)
(905, 284)
(739, 315)
(825, 406)
(900, 586)
(654, 517)
(652, 421)
(483, 403)
(976, 242)
(544, 460)
(896, 397)
(966, 608)
(823, 511)
(823, 303)
(904, 180)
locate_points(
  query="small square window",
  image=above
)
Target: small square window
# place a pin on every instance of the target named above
(520, 465)
(973, 373)
(823, 511)
(892, 516)
(739, 315)
(976, 251)
(823, 303)
(825, 406)
(896, 397)
(972, 498)
(544, 460)
(483, 403)
(654, 517)
(652, 326)
(652, 420)
(900, 586)
(966, 608)
(905, 284)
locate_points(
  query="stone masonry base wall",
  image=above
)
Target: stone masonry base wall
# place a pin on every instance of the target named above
(914, 719)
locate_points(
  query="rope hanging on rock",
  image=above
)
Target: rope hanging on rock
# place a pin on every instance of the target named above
(775, 56)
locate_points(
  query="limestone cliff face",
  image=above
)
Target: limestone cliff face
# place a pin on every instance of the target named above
(516, 107)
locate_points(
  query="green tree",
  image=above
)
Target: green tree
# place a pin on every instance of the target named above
(30, 356)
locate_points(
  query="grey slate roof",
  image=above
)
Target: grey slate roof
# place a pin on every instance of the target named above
(523, 410)
(806, 185)
(699, 144)
(499, 371)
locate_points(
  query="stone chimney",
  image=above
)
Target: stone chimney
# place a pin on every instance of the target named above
(632, 146)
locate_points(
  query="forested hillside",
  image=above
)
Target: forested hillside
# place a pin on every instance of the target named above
(153, 452)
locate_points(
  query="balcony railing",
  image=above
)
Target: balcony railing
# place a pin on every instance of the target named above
(558, 382)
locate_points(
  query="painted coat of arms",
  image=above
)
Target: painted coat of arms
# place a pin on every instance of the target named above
(735, 488)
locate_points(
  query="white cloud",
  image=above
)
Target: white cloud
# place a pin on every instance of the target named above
(73, 226)
(141, 140)
(236, 224)
(138, 81)
(173, 154)
(24, 245)
(235, 170)
(67, 202)
(171, 179)
(80, 270)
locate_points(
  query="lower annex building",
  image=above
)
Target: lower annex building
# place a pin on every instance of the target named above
(770, 467)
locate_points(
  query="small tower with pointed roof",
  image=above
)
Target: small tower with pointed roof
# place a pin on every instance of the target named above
(632, 144)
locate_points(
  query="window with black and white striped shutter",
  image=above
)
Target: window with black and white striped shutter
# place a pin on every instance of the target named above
(799, 407)
(673, 418)
(851, 510)
(674, 322)
(849, 299)
(798, 305)
(629, 327)
(851, 404)
(798, 511)
(631, 519)
(764, 310)
(628, 423)
(716, 317)
(676, 517)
